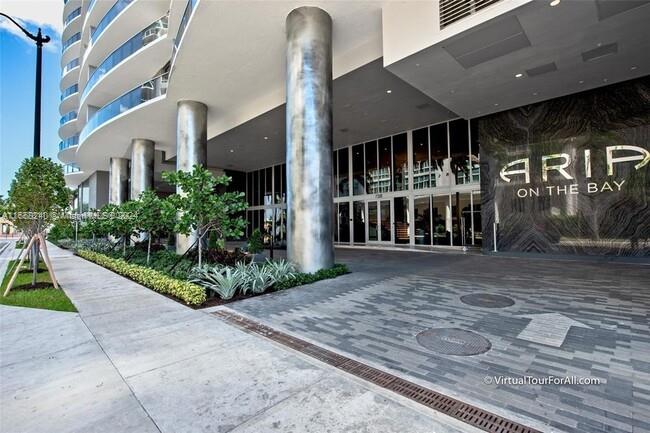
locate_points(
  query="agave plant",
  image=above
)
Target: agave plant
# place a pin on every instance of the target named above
(260, 278)
(281, 270)
(224, 281)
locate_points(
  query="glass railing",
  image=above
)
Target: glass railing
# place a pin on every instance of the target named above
(69, 142)
(70, 115)
(118, 7)
(90, 6)
(71, 168)
(153, 32)
(186, 17)
(70, 66)
(71, 40)
(72, 15)
(151, 89)
(69, 91)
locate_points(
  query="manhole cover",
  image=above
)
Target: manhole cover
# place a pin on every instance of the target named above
(453, 341)
(487, 300)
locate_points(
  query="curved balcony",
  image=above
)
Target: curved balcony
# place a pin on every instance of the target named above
(69, 99)
(148, 91)
(67, 148)
(183, 25)
(112, 13)
(68, 124)
(72, 15)
(150, 34)
(70, 41)
(70, 5)
(69, 74)
(71, 169)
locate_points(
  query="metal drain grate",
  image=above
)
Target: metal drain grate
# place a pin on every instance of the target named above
(467, 413)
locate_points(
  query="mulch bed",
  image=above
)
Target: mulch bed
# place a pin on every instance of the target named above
(43, 285)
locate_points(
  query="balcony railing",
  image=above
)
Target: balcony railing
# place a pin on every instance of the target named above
(70, 66)
(113, 12)
(72, 15)
(71, 40)
(455, 10)
(69, 142)
(69, 91)
(90, 6)
(181, 28)
(67, 117)
(152, 33)
(150, 90)
(71, 169)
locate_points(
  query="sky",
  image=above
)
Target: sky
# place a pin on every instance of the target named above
(17, 78)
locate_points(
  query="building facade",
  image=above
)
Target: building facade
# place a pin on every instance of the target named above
(511, 125)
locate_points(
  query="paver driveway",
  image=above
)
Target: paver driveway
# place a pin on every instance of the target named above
(589, 319)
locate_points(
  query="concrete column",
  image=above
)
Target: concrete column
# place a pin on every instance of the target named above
(191, 148)
(118, 182)
(142, 159)
(309, 139)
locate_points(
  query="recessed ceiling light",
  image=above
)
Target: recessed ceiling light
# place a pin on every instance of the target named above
(604, 80)
(555, 2)
(534, 93)
(389, 91)
(417, 64)
(519, 75)
(266, 138)
(496, 105)
(633, 68)
(581, 82)
(452, 91)
(232, 150)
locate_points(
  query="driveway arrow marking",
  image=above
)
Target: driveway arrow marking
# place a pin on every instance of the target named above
(548, 328)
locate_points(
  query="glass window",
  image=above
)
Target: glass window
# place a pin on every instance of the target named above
(477, 222)
(344, 187)
(249, 188)
(371, 167)
(373, 234)
(402, 220)
(438, 136)
(383, 173)
(459, 150)
(400, 163)
(344, 222)
(335, 175)
(268, 189)
(441, 213)
(284, 183)
(277, 184)
(359, 218)
(358, 171)
(475, 149)
(421, 164)
(462, 218)
(256, 187)
(422, 220)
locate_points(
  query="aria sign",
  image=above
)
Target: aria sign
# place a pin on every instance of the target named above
(560, 162)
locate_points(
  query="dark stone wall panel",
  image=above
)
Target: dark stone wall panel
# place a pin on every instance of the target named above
(601, 214)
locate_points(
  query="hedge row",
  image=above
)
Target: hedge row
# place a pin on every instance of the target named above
(190, 293)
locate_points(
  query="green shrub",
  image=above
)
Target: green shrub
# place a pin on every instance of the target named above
(62, 229)
(299, 279)
(222, 280)
(255, 242)
(188, 292)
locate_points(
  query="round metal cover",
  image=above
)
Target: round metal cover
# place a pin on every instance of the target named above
(453, 341)
(487, 300)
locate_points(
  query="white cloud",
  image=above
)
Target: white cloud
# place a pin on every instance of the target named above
(32, 14)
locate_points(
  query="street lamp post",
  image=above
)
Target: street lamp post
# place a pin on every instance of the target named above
(40, 40)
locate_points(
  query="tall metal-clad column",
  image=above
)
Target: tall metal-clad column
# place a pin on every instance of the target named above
(309, 139)
(191, 148)
(142, 166)
(118, 181)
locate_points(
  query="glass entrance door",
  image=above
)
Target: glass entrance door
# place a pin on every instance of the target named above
(380, 221)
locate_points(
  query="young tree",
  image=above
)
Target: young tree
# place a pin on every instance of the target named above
(36, 195)
(119, 221)
(154, 217)
(202, 209)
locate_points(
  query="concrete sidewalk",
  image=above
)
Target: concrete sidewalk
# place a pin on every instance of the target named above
(135, 361)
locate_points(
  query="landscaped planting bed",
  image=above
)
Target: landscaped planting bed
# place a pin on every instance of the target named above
(187, 292)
